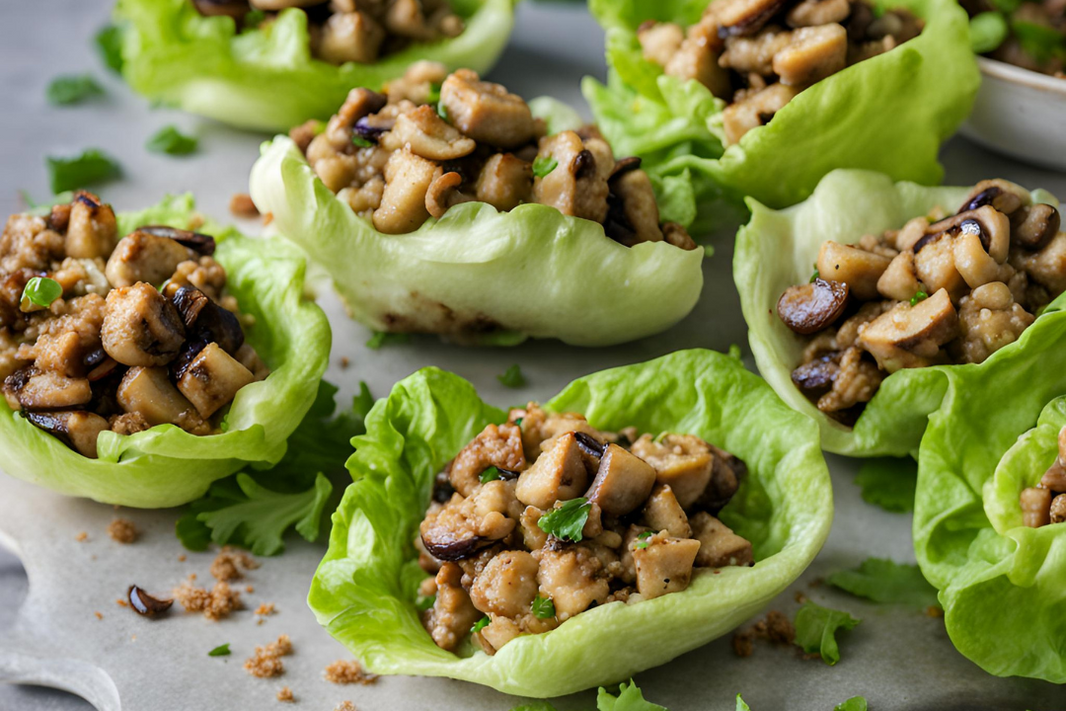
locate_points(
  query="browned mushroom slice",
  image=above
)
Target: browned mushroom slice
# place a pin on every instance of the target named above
(808, 308)
(911, 336)
(664, 564)
(815, 378)
(813, 54)
(78, 429)
(1036, 506)
(213, 379)
(443, 193)
(638, 206)
(1033, 226)
(1000, 194)
(623, 481)
(143, 256)
(91, 228)
(558, 473)
(141, 327)
(577, 185)
(719, 546)
(1055, 477)
(1047, 266)
(486, 112)
(197, 242)
(855, 267)
(744, 17)
(810, 13)
(32, 389)
(149, 393)
(990, 224)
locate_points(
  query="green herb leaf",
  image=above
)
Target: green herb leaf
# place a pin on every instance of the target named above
(855, 703)
(109, 44)
(919, 297)
(89, 168)
(1039, 41)
(889, 482)
(171, 141)
(741, 706)
(513, 377)
(645, 534)
(383, 338)
(72, 89)
(434, 94)
(816, 629)
(886, 581)
(490, 474)
(423, 603)
(361, 142)
(567, 521)
(987, 31)
(543, 165)
(442, 110)
(221, 650)
(734, 351)
(40, 291)
(480, 625)
(543, 608)
(518, 422)
(253, 18)
(815, 276)
(629, 699)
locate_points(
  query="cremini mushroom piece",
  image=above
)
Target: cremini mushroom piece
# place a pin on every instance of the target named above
(141, 327)
(142, 256)
(809, 308)
(911, 336)
(578, 184)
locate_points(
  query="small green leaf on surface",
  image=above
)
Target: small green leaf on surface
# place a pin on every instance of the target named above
(72, 89)
(741, 705)
(40, 291)
(89, 168)
(889, 482)
(221, 650)
(383, 338)
(855, 703)
(567, 521)
(816, 629)
(171, 141)
(513, 377)
(362, 142)
(629, 699)
(886, 581)
(543, 165)
(109, 43)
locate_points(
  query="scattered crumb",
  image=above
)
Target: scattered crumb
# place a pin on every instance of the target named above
(267, 608)
(99, 616)
(345, 706)
(817, 582)
(227, 565)
(348, 671)
(345, 362)
(192, 576)
(241, 205)
(775, 628)
(92, 557)
(744, 644)
(934, 611)
(800, 598)
(249, 589)
(122, 530)
(133, 638)
(122, 603)
(266, 662)
(81, 537)
(812, 656)
(285, 695)
(268, 218)
(196, 221)
(216, 603)
(182, 558)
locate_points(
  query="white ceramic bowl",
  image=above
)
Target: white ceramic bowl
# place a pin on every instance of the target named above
(1021, 113)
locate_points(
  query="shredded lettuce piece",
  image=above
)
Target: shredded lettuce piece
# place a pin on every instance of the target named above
(816, 629)
(886, 581)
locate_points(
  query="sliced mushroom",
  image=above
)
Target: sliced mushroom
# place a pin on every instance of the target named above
(815, 378)
(443, 193)
(1046, 267)
(428, 136)
(577, 185)
(857, 268)
(236, 9)
(212, 380)
(505, 182)
(91, 228)
(623, 481)
(76, 428)
(33, 389)
(149, 393)
(143, 256)
(486, 112)
(808, 308)
(141, 327)
(989, 223)
(726, 473)
(973, 263)
(1033, 226)
(813, 54)
(744, 17)
(911, 336)
(1000, 194)
(637, 197)
(200, 243)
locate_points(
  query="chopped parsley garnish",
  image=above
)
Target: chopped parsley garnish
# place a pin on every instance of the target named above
(490, 474)
(442, 110)
(920, 296)
(90, 167)
(383, 338)
(434, 94)
(543, 608)
(480, 625)
(816, 629)
(171, 141)
(221, 650)
(513, 377)
(889, 482)
(642, 540)
(742, 705)
(567, 521)
(109, 44)
(518, 422)
(886, 581)
(543, 165)
(855, 703)
(816, 275)
(40, 291)
(425, 602)
(72, 89)
(362, 142)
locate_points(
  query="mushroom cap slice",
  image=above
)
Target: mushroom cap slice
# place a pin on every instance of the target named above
(911, 336)
(808, 308)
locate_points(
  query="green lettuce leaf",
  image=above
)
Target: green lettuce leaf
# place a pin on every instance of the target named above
(166, 466)
(886, 581)
(889, 482)
(742, 705)
(855, 703)
(365, 589)
(816, 629)
(889, 113)
(1002, 584)
(521, 272)
(265, 79)
(776, 249)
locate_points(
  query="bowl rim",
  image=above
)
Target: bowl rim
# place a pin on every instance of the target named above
(1009, 72)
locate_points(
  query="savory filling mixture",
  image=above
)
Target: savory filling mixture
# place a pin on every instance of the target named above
(1031, 35)
(940, 290)
(98, 333)
(543, 517)
(434, 140)
(757, 54)
(1045, 503)
(350, 30)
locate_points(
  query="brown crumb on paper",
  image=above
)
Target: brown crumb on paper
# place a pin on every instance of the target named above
(285, 695)
(800, 598)
(345, 362)
(744, 644)
(249, 589)
(99, 615)
(122, 530)
(121, 603)
(241, 205)
(182, 558)
(934, 611)
(345, 706)
(266, 662)
(776, 628)
(267, 608)
(229, 562)
(348, 671)
(216, 603)
(81, 537)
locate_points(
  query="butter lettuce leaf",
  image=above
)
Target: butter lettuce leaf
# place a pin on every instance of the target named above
(889, 113)
(817, 627)
(266, 79)
(365, 589)
(477, 273)
(776, 249)
(166, 466)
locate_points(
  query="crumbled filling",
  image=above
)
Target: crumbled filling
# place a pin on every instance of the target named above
(122, 530)
(1045, 503)
(228, 564)
(286, 695)
(756, 55)
(775, 628)
(216, 603)
(433, 140)
(348, 671)
(942, 289)
(350, 30)
(1040, 18)
(99, 333)
(266, 662)
(543, 517)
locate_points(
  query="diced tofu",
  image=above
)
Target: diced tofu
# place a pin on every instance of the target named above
(719, 546)
(623, 481)
(92, 229)
(505, 182)
(46, 390)
(857, 268)
(558, 474)
(213, 379)
(570, 578)
(452, 614)
(684, 462)
(664, 564)
(149, 393)
(663, 513)
(497, 633)
(403, 204)
(507, 585)
(486, 112)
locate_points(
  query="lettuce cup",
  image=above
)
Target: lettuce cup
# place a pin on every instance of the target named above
(726, 474)
(268, 65)
(862, 298)
(762, 98)
(143, 360)
(448, 205)
(989, 509)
